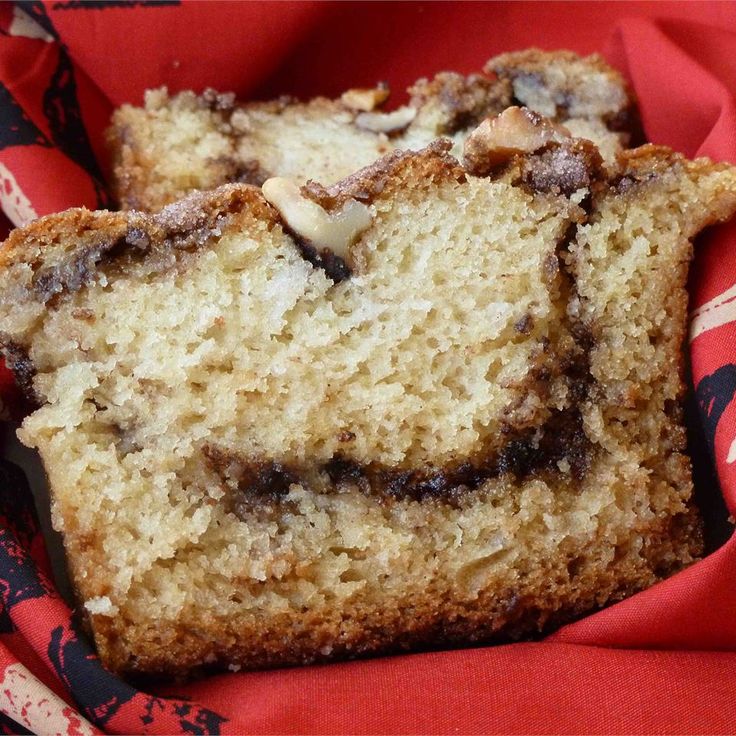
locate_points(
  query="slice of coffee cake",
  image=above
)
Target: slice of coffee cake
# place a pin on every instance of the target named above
(417, 408)
(174, 144)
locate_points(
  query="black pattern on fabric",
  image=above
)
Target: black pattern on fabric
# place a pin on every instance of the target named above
(77, 665)
(61, 108)
(17, 508)
(100, 694)
(68, 133)
(6, 623)
(8, 725)
(19, 528)
(714, 393)
(105, 4)
(16, 128)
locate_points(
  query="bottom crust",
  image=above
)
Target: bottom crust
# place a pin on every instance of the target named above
(534, 594)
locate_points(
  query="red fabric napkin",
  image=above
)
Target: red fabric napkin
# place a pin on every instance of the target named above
(661, 661)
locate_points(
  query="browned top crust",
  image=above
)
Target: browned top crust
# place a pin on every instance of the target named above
(514, 63)
(650, 159)
(431, 163)
(464, 101)
(526, 148)
(557, 168)
(562, 168)
(104, 237)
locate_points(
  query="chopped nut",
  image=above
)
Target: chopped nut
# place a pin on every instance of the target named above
(365, 99)
(515, 130)
(386, 122)
(333, 230)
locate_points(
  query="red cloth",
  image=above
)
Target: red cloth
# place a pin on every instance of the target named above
(661, 661)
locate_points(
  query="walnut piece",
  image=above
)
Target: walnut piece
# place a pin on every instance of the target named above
(386, 122)
(334, 230)
(366, 100)
(516, 130)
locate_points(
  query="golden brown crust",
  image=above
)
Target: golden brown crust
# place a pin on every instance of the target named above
(526, 148)
(100, 238)
(647, 165)
(565, 84)
(513, 63)
(432, 163)
(566, 588)
(65, 225)
(462, 102)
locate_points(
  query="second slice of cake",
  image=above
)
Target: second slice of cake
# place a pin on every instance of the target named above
(174, 144)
